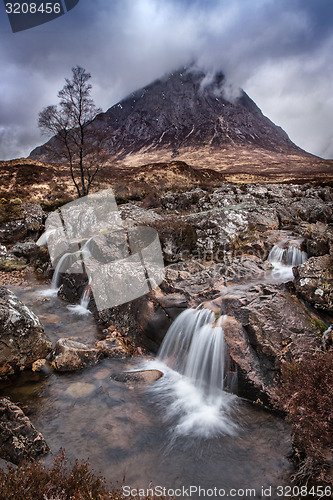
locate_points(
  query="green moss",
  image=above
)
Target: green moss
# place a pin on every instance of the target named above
(16, 201)
(11, 265)
(10, 211)
(318, 325)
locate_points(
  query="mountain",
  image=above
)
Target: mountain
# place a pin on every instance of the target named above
(193, 117)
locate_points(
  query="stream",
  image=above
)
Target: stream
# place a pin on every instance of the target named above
(168, 434)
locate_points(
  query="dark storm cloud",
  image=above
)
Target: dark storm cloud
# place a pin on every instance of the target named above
(279, 52)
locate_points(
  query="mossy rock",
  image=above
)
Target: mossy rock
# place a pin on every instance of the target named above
(10, 211)
(16, 201)
(8, 265)
(318, 325)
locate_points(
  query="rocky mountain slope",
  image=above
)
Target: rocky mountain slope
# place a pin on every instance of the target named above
(191, 116)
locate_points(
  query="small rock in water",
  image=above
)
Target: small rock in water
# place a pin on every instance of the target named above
(41, 365)
(51, 319)
(80, 390)
(102, 374)
(140, 378)
(70, 355)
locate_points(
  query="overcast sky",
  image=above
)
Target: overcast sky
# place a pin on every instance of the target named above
(279, 51)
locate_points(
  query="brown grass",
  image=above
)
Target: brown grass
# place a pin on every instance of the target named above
(306, 395)
(62, 481)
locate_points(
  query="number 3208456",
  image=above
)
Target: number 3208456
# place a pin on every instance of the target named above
(33, 8)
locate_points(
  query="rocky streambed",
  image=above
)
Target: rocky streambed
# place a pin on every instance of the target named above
(215, 247)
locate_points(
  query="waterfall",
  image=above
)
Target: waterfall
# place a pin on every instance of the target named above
(290, 256)
(58, 270)
(85, 297)
(295, 256)
(177, 340)
(196, 366)
(284, 259)
(64, 263)
(82, 308)
(195, 347)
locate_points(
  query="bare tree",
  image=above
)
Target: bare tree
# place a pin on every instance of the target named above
(75, 140)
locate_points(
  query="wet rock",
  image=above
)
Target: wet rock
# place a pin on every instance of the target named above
(69, 355)
(266, 326)
(156, 316)
(19, 439)
(140, 378)
(41, 365)
(318, 239)
(314, 282)
(11, 263)
(145, 319)
(73, 286)
(25, 249)
(112, 347)
(22, 336)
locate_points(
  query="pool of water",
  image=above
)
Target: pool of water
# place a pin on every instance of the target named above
(128, 432)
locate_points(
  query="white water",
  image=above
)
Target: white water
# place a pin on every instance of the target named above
(194, 360)
(284, 259)
(82, 308)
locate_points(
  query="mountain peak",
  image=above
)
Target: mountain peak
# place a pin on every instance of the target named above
(185, 112)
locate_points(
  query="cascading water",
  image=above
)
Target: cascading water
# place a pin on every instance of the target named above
(195, 361)
(64, 263)
(284, 259)
(82, 308)
(196, 348)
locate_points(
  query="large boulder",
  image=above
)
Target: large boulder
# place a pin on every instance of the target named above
(20, 220)
(318, 239)
(19, 439)
(314, 282)
(266, 326)
(22, 337)
(147, 318)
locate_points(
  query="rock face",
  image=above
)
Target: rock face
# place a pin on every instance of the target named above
(266, 326)
(19, 440)
(314, 282)
(21, 333)
(211, 239)
(207, 225)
